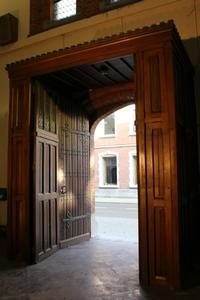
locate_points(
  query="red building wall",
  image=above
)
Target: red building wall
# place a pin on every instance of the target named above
(121, 144)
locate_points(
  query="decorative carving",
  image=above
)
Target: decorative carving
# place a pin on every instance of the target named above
(160, 242)
(155, 90)
(158, 163)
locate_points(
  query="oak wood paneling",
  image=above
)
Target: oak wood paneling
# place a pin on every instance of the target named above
(160, 225)
(153, 80)
(74, 140)
(18, 169)
(160, 243)
(46, 202)
(157, 196)
(63, 131)
(158, 163)
(158, 174)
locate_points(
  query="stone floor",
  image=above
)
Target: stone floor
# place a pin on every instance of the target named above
(95, 270)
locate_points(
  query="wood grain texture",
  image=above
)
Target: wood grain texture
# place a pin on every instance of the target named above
(18, 170)
(74, 141)
(161, 229)
(158, 166)
(46, 197)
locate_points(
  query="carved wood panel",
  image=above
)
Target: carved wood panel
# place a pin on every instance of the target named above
(158, 195)
(18, 169)
(60, 121)
(46, 206)
(17, 107)
(158, 180)
(155, 99)
(160, 243)
(74, 166)
(46, 202)
(156, 162)
(153, 82)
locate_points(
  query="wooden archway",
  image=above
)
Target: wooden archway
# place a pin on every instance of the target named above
(162, 72)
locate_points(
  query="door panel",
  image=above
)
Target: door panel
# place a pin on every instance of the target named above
(74, 165)
(156, 169)
(46, 206)
(46, 199)
(19, 170)
(158, 196)
(62, 210)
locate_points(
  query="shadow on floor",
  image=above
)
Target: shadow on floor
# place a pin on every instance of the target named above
(97, 269)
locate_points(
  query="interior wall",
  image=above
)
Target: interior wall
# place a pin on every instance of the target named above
(185, 13)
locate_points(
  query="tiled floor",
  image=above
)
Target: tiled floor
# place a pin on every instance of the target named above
(94, 270)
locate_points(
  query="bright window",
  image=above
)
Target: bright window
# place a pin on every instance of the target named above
(132, 169)
(64, 9)
(132, 123)
(109, 125)
(110, 170)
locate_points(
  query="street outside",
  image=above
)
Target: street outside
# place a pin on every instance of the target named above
(115, 221)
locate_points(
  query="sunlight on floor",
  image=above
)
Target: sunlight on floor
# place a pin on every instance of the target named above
(117, 226)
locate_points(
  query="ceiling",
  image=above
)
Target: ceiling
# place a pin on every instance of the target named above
(92, 76)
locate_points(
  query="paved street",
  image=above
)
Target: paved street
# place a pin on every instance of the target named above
(116, 210)
(115, 221)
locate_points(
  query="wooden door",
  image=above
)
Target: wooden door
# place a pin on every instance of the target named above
(19, 170)
(45, 202)
(159, 240)
(74, 180)
(161, 138)
(61, 202)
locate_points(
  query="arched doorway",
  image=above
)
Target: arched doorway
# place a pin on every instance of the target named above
(115, 213)
(157, 76)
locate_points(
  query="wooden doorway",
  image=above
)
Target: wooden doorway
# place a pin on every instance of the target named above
(61, 170)
(156, 84)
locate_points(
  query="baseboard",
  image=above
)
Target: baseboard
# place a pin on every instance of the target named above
(75, 240)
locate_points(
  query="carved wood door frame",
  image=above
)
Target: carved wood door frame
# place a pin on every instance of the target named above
(159, 253)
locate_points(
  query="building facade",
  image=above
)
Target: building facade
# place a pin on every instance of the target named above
(116, 157)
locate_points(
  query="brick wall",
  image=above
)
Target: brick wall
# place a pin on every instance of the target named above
(87, 8)
(123, 164)
(121, 144)
(40, 11)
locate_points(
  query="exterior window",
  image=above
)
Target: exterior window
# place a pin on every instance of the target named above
(132, 123)
(64, 9)
(132, 169)
(109, 125)
(110, 170)
(134, 166)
